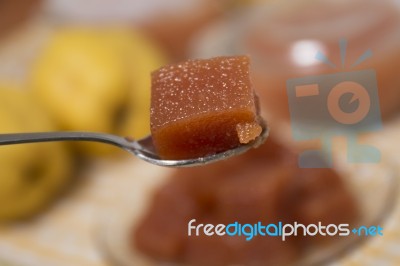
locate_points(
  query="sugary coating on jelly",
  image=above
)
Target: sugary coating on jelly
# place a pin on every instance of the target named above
(195, 87)
(202, 107)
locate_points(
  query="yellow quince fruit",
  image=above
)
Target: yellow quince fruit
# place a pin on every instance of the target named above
(31, 175)
(97, 80)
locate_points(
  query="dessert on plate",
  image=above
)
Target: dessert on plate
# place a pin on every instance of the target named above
(263, 185)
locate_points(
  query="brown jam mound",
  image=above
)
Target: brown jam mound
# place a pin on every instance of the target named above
(202, 107)
(263, 185)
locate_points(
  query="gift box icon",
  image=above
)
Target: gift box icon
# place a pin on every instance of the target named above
(339, 104)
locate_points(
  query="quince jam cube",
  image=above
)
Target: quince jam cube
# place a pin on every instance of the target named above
(203, 107)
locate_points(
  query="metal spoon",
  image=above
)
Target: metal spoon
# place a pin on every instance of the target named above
(142, 148)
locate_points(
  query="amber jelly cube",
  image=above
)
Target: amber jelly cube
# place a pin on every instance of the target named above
(203, 107)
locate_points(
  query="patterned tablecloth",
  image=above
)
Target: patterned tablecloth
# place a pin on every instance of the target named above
(69, 233)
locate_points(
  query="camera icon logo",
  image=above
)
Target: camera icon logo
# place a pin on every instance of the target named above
(339, 104)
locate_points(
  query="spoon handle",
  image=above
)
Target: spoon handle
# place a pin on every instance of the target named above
(17, 138)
